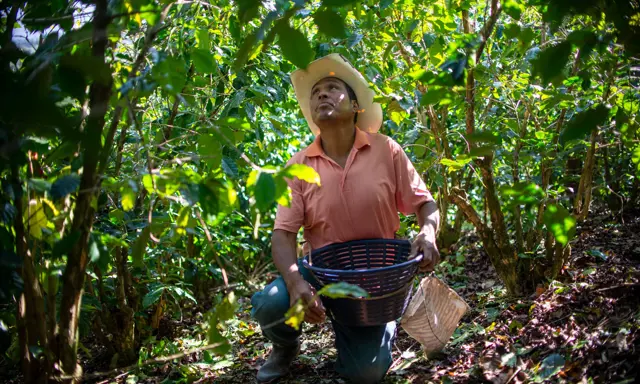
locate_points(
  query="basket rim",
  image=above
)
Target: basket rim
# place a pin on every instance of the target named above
(369, 271)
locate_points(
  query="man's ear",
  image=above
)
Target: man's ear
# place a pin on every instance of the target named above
(355, 106)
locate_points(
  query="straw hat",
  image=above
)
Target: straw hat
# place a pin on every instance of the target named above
(433, 314)
(335, 65)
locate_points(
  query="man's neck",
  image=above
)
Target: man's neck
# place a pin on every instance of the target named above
(337, 140)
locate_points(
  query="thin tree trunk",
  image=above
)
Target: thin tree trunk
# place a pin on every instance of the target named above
(31, 310)
(517, 216)
(73, 277)
(582, 201)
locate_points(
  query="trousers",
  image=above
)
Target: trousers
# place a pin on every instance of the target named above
(364, 353)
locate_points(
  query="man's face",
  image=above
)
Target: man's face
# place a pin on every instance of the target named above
(330, 101)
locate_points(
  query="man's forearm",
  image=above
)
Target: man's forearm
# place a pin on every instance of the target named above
(283, 249)
(429, 217)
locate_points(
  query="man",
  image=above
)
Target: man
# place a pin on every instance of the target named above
(366, 179)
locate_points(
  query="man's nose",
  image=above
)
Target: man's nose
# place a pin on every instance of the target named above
(323, 95)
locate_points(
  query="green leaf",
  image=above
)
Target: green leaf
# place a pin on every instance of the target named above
(484, 137)
(551, 366)
(560, 222)
(455, 165)
(203, 61)
(208, 197)
(512, 31)
(433, 96)
(342, 290)
(202, 40)
(139, 246)
(337, 3)
(128, 196)
(513, 8)
(330, 23)
(152, 297)
(229, 167)
(210, 150)
(226, 309)
(583, 123)
(64, 186)
(98, 252)
(635, 156)
(302, 172)
(552, 61)
(265, 191)
(214, 337)
(294, 45)
(39, 185)
(396, 112)
(248, 9)
(523, 193)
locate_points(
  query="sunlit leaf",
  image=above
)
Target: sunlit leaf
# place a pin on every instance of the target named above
(523, 193)
(635, 156)
(295, 315)
(183, 220)
(35, 218)
(128, 197)
(302, 172)
(560, 222)
(513, 8)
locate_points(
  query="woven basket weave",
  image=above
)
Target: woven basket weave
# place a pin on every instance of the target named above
(433, 314)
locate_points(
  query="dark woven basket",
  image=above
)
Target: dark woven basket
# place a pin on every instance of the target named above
(379, 266)
(372, 311)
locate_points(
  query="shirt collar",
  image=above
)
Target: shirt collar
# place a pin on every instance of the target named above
(315, 149)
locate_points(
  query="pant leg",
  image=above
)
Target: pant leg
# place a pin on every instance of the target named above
(269, 307)
(364, 353)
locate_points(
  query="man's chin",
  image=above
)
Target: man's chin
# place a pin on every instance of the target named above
(325, 116)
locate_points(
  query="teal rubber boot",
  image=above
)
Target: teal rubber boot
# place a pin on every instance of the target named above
(278, 363)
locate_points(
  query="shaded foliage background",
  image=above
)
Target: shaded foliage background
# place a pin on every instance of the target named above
(143, 145)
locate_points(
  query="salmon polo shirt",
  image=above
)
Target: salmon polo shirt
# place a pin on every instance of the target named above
(359, 201)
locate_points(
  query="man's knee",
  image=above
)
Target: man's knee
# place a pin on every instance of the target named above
(270, 304)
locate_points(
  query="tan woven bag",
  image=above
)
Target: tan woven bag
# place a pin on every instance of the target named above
(433, 314)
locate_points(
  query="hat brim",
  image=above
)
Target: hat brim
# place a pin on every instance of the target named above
(335, 65)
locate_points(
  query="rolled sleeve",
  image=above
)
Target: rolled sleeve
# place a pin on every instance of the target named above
(291, 218)
(411, 191)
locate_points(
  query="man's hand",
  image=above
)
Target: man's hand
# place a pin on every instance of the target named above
(425, 243)
(301, 289)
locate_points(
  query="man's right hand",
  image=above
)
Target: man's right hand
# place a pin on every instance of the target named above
(301, 289)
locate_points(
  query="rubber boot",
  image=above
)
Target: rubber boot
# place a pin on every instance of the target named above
(278, 363)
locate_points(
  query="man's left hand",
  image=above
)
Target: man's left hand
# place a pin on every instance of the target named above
(425, 243)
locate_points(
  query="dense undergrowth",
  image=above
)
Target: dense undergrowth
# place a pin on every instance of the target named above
(143, 146)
